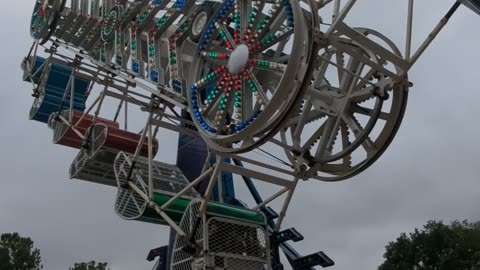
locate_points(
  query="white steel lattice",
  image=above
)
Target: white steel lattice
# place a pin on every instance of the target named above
(59, 127)
(181, 259)
(98, 136)
(129, 204)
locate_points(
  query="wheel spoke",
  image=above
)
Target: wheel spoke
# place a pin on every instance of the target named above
(215, 55)
(257, 89)
(212, 98)
(266, 24)
(238, 115)
(314, 115)
(353, 124)
(369, 147)
(316, 135)
(361, 78)
(268, 65)
(241, 11)
(319, 74)
(249, 33)
(348, 81)
(302, 120)
(362, 94)
(328, 137)
(273, 39)
(226, 37)
(210, 77)
(362, 82)
(347, 160)
(340, 59)
(247, 100)
(322, 100)
(368, 112)
(226, 102)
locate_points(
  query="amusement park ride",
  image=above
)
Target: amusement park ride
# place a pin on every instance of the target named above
(232, 78)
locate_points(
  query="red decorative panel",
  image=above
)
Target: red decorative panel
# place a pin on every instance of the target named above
(121, 140)
(67, 137)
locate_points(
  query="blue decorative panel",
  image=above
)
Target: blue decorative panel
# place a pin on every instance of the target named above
(51, 97)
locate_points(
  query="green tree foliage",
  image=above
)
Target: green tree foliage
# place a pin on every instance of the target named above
(18, 253)
(436, 247)
(5, 263)
(89, 266)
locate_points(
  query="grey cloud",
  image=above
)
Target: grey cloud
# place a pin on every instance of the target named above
(429, 172)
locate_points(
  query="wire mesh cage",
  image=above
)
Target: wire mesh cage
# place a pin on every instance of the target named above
(181, 258)
(221, 243)
(103, 142)
(236, 245)
(167, 181)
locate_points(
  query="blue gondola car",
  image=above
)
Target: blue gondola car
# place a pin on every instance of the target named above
(52, 80)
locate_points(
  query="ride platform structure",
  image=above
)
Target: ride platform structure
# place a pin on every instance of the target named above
(263, 94)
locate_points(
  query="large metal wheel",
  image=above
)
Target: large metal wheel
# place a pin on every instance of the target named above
(45, 16)
(349, 115)
(112, 19)
(252, 59)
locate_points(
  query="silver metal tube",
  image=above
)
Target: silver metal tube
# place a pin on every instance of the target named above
(220, 188)
(72, 127)
(69, 85)
(408, 47)
(126, 112)
(157, 209)
(207, 164)
(344, 70)
(211, 185)
(338, 19)
(159, 117)
(336, 10)
(87, 95)
(150, 162)
(72, 95)
(324, 3)
(119, 109)
(97, 112)
(142, 138)
(261, 164)
(434, 34)
(283, 212)
(186, 189)
(34, 48)
(176, 128)
(273, 197)
(268, 178)
(39, 68)
(29, 68)
(88, 111)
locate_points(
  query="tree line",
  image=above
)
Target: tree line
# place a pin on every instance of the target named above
(435, 246)
(18, 253)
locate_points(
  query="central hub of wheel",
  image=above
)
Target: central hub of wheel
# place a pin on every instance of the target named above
(238, 59)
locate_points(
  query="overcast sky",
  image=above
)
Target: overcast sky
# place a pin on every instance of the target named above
(429, 172)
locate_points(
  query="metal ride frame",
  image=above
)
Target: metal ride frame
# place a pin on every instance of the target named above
(178, 60)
